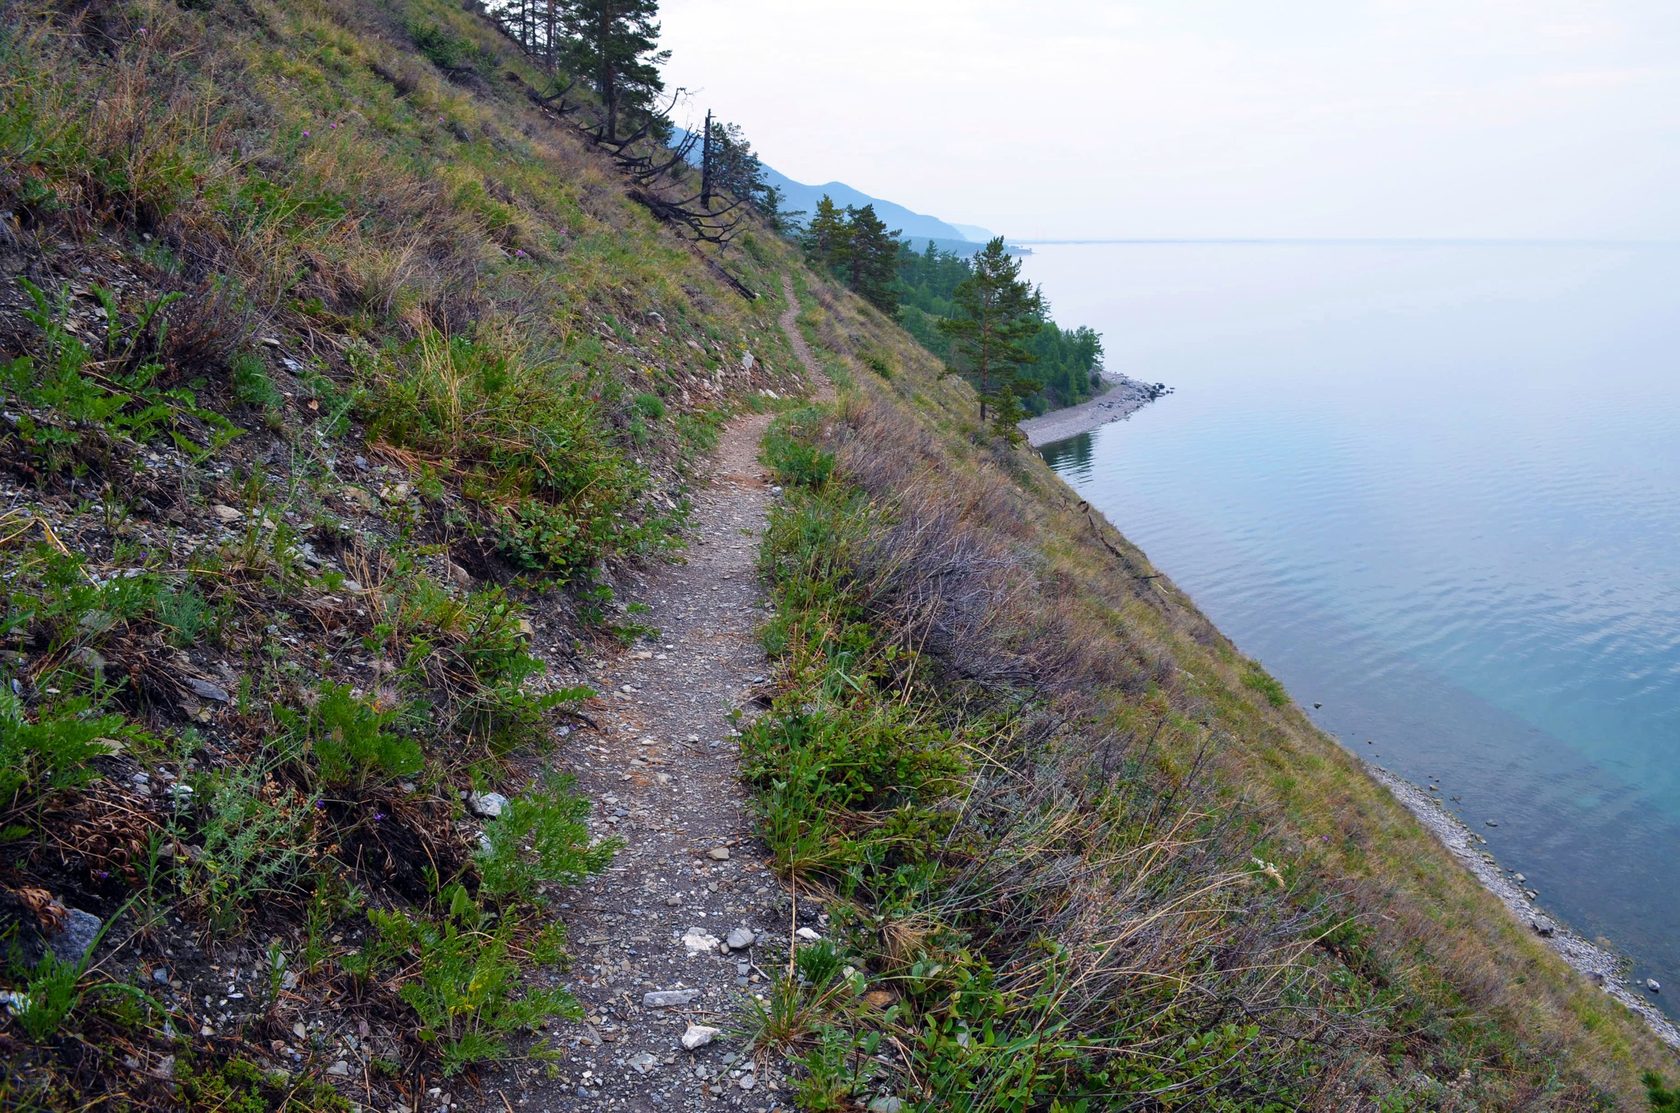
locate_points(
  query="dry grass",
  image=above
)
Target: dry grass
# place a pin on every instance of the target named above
(1008, 583)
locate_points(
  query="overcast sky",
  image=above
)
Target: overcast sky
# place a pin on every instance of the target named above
(1050, 118)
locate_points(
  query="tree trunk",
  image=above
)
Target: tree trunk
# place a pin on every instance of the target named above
(706, 163)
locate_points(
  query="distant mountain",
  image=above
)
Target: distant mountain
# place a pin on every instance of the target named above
(917, 228)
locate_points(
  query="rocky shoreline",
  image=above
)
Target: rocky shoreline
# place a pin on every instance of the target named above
(1600, 965)
(1123, 397)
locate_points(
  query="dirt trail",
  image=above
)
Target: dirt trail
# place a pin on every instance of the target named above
(664, 774)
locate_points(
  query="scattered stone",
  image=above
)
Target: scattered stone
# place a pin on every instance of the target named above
(1491, 822)
(225, 513)
(203, 689)
(486, 805)
(1653, 985)
(718, 854)
(808, 934)
(747, 1082)
(665, 998)
(740, 939)
(76, 935)
(673, 900)
(1518, 878)
(1545, 929)
(642, 1062)
(886, 1103)
(90, 659)
(698, 942)
(396, 492)
(698, 1036)
(340, 1069)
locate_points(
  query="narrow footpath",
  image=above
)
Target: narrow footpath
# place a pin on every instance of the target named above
(689, 919)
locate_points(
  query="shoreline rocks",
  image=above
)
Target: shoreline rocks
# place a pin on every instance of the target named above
(1600, 966)
(1123, 397)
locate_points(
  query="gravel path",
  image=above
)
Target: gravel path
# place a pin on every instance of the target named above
(689, 911)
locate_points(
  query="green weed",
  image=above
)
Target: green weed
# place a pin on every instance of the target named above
(541, 837)
(791, 452)
(256, 839)
(51, 753)
(349, 740)
(461, 978)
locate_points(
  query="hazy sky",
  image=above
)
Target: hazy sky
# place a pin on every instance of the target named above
(1549, 118)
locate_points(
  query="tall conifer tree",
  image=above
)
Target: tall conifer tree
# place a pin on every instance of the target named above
(997, 313)
(616, 42)
(872, 265)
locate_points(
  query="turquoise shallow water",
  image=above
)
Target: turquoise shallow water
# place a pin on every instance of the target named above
(1435, 488)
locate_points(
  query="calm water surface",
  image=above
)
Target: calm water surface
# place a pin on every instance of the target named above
(1435, 488)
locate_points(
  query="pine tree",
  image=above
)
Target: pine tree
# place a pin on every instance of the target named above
(828, 236)
(996, 314)
(617, 43)
(872, 263)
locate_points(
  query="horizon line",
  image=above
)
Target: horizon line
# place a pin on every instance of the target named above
(1515, 241)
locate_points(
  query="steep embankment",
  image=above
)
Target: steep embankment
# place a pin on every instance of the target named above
(343, 383)
(1093, 851)
(352, 409)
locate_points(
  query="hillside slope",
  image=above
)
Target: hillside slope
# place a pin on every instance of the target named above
(348, 395)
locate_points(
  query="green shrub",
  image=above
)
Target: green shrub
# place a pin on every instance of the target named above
(650, 406)
(51, 989)
(460, 977)
(241, 1086)
(187, 616)
(257, 840)
(52, 753)
(1259, 680)
(528, 441)
(471, 655)
(123, 400)
(791, 451)
(445, 49)
(348, 738)
(542, 837)
(252, 385)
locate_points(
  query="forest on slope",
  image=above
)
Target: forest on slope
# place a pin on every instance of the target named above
(351, 353)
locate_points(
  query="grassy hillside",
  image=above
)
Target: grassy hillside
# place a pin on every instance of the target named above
(340, 375)
(1093, 854)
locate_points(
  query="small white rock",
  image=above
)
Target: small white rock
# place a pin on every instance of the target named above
(489, 805)
(699, 1035)
(808, 934)
(698, 942)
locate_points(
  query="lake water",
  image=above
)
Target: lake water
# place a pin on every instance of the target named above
(1435, 488)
